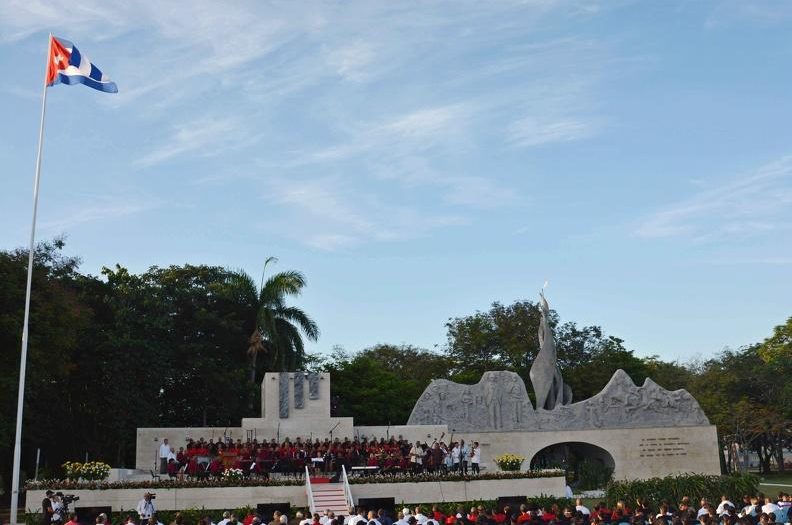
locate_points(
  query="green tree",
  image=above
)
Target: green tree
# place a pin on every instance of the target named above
(505, 338)
(278, 328)
(381, 384)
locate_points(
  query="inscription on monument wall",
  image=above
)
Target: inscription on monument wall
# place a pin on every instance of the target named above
(659, 447)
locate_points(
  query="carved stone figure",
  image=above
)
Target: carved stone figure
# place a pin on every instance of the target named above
(516, 397)
(299, 387)
(493, 399)
(548, 384)
(313, 385)
(467, 402)
(283, 395)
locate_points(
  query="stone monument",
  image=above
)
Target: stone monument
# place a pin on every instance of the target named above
(500, 401)
(639, 431)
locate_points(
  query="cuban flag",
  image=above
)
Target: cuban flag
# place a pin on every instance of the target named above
(69, 66)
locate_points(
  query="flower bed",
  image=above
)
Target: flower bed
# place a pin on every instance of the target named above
(61, 484)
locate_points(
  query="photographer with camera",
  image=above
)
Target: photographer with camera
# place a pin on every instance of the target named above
(57, 509)
(46, 508)
(145, 507)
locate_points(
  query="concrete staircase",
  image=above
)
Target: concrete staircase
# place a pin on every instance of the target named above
(329, 496)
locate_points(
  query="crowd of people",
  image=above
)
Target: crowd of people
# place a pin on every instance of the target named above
(201, 458)
(752, 510)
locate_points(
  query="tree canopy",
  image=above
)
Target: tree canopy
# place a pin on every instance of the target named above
(172, 347)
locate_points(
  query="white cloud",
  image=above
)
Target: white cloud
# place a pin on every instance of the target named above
(748, 205)
(352, 62)
(530, 131)
(203, 137)
(98, 209)
(330, 214)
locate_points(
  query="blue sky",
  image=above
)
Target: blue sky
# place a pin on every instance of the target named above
(419, 161)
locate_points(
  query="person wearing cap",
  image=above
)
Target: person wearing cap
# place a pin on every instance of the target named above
(145, 508)
(46, 508)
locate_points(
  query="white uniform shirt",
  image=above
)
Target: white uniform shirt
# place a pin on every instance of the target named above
(722, 507)
(145, 509)
(421, 519)
(583, 509)
(476, 456)
(767, 508)
(164, 451)
(455, 454)
(416, 455)
(57, 508)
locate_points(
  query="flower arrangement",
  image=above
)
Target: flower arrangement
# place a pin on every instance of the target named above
(509, 462)
(91, 471)
(72, 469)
(233, 474)
(223, 481)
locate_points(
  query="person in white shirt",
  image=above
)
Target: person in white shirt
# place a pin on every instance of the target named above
(57, 508)
(463, 456)
(164, 452)
(703, 510)
(145, 507)
(325, 519)
(357, 518)
(400, 519)
(769, 507)
(455, 457)
(419, 517)
(722, 505)
(302, 519)
(416, 457)
(226, 518)
(475, 458)
(372, 516)
(579, 507)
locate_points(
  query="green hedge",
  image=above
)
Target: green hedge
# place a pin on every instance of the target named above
(674, 488)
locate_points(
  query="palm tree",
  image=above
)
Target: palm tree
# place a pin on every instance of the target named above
(279, 328)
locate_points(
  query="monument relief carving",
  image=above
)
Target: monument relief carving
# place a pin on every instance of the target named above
(299, 388)
(313, 385)
(283, 395)
(499, 401)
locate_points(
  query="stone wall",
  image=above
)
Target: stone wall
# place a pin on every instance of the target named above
(638, 453)
(234, 497)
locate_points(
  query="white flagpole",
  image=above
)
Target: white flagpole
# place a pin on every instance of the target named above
(23, 357)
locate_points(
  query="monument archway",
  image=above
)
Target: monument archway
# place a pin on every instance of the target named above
(571, 455)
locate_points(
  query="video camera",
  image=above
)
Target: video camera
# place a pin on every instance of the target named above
(69, 498)
(152, 495)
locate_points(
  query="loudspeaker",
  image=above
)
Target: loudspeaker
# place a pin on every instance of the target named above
(266, 510)
(87, 515)
(387, 504)
(513, 501)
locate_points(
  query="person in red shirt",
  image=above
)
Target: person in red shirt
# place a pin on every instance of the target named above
(548, 515)
(438, 515)
(524, 516)
(216, 467)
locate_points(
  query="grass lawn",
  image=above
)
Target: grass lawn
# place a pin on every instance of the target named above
(772, 483)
